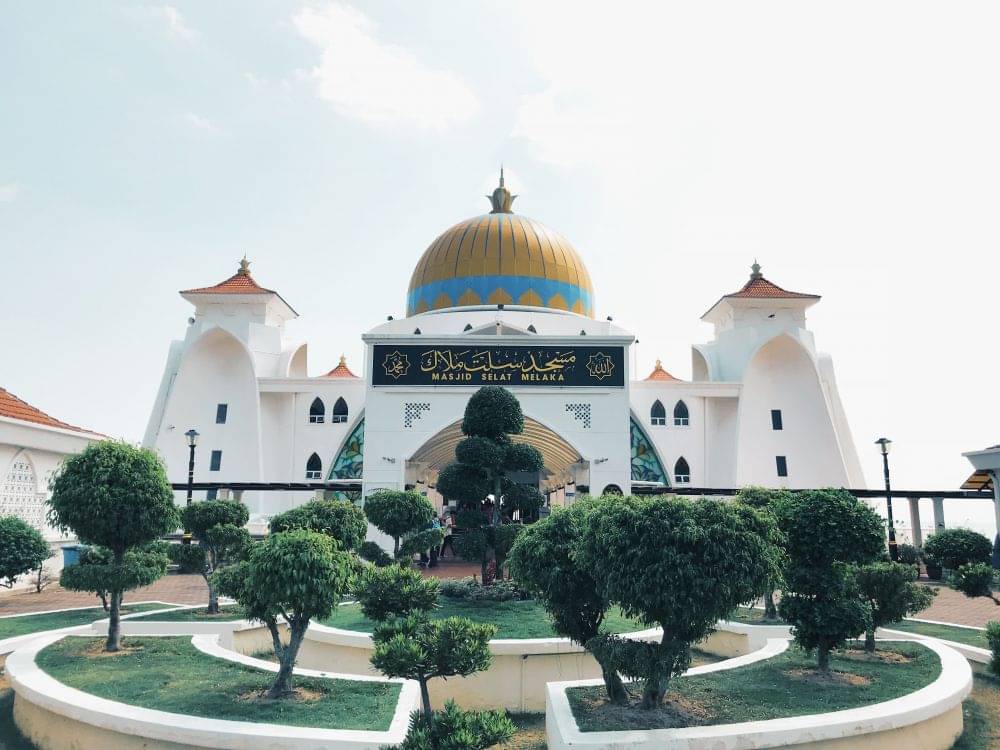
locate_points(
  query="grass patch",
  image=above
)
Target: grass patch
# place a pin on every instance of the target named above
(530, 733)
(981, 713)
(24, 624)
(947, 632)
(525, 619)
(778, 687)
(226, 612)
(752, 616)
(169, 674)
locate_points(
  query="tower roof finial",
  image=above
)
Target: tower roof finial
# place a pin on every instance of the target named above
(244, 266)
(755, 270)
(501, 198)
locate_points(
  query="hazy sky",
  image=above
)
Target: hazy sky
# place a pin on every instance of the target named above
(853, 148)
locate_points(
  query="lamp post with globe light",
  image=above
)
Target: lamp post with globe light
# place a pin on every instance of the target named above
(192, 439)
(884, 444)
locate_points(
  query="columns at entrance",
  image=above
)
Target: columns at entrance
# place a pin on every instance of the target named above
(917, 536)
(938, 513)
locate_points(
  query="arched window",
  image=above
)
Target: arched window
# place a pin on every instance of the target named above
(314, 467)
(339, 413)
(612, 489)
(682, 472)
(681, 416)
(317, 412)
(658, 415)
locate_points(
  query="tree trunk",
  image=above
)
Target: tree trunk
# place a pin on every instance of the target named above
(823, 658)
(654, 691)
(770, 608)
(614, 686)
(282, 684)
(114, 642)
(395, 548)
(425, 701)
(213, 597)
(870, 640)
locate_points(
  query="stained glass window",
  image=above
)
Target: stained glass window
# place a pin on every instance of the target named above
(350, 462)
(645, 465)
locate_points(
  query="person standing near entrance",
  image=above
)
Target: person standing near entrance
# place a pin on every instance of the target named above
(448, 523)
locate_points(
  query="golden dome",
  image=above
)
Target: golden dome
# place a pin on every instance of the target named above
(500, 258)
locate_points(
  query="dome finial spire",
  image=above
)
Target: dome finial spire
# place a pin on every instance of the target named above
(755, 270)
(244, 266)
(501, 198)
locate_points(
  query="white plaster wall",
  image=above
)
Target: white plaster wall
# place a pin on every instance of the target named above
(671, 441)
(783, 375)
(722, 414)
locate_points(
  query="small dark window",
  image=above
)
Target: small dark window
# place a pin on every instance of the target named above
(212, 494)
(612, 489)
(681, 416)
(782, 465)
(531, 329)
(339, 413)
(317, 412)
(216, 461)
(221, 412)
(682, 472)
(776, 419)
(658, 415)
(468, 327)
(314, 467)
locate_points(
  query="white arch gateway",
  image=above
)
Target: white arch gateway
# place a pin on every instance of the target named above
(501, 300)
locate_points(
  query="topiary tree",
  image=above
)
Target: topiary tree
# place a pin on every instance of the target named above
(763, 499)
(22, 549)
(827, 532)
(117, 496)
(390, 592)
(479, 480)
(343, 521)
(891, 591)
(976, 579)
(297, 575)
(543, 560)
(455, 729)
(218, 527)
(954, 548)
(373, 553)
(676, 564)
(399, 514)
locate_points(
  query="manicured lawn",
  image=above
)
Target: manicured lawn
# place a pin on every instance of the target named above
(981, 713)
(227, 612)
(514, 619)
(767, 690)
(751, 616)
(530, 733)
(947, 632)
(169, 674)
(22, 624)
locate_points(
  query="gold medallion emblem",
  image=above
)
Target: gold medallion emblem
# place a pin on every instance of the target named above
(600, 366)
(396, 365)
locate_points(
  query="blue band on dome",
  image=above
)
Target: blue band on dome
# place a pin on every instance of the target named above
(484, 286)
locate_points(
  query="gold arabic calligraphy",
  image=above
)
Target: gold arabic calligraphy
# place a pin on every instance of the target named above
(437, 360)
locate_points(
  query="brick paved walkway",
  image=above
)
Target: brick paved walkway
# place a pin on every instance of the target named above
(951, 606)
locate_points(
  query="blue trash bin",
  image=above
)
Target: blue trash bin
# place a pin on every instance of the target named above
(71, 554)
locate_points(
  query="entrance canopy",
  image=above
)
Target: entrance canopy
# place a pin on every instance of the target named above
(558, 455)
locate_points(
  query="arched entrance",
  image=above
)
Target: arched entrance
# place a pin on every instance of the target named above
(563, 464)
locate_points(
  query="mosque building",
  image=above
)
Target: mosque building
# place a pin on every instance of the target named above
(501, 299)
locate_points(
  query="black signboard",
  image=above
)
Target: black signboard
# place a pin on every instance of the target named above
(602, 366)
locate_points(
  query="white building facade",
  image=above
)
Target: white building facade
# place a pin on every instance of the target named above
(500, 299)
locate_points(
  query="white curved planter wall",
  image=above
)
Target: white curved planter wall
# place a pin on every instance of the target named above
(57, 717)
(929, 719)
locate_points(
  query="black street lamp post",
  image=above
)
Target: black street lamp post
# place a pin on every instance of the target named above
(192, 438)
(884, 444)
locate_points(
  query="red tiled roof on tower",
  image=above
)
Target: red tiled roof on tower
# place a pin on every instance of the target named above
(12, 407)
(759, 287)
(341, 370)
(659, 373)
(240, 282)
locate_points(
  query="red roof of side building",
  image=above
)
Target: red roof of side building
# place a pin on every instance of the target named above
(341, 370)
(12, 407)
(760, 288)
(659, 373)
(240, 282)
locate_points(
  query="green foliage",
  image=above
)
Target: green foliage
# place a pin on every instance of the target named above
(218, 527)
(482, 452)
(22, 549)
(115, 495)
(199, 518)
(420, 541)
(493, 412)
(908, 554)
(392, 591)
(975, 580)
(398, 513)
(827, 532)
(455, 729)
(344, 521)
(993, 636)
(468, 589)
(957, 547)
(465, 484)
(677, 564)
(373, 553)
(761, 498)
(892, 593)
(299, 575)
(190, 558)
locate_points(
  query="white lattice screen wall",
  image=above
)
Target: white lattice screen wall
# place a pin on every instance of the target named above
(19, 495)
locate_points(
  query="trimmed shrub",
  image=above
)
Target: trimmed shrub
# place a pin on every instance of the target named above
(218, 527)
(22, 549)
(891, 591)
(975, 580)
(398, 514)
(993, 636)
(908, 554)
(455, 729)
(340, 520)
(954, 548)
(392, 591)
(374, 553)
(469, 589)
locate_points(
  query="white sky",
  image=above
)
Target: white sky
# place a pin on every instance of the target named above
(853, 148)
